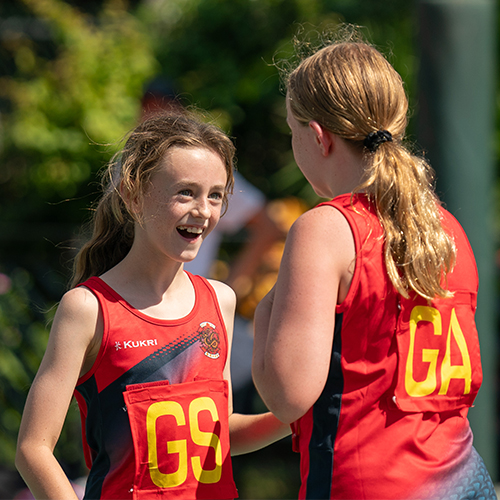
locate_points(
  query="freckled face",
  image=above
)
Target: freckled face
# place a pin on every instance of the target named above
(183, 203)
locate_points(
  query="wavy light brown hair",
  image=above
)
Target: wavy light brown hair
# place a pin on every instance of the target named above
(352, 90)
(129, 172)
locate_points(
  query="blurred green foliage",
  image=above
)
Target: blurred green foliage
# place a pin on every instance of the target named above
(23, 337)
(71, 82)
(88, 92)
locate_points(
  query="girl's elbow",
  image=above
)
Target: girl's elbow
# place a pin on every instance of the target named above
(285, 410)
(27, 453)
(284, 402)
(288, 415)
(21, 458)
(285, 405)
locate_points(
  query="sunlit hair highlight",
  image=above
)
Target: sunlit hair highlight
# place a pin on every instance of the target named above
(127, 177)
(352, 90)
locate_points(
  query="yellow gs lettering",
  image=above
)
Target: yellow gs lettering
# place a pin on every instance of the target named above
(180, 447)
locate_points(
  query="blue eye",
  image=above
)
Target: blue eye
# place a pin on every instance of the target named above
(185, 192)
(217, 196)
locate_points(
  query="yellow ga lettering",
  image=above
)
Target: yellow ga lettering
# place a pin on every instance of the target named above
(198, 436)
(448, 371)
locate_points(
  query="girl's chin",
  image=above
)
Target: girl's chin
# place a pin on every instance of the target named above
(190, 255)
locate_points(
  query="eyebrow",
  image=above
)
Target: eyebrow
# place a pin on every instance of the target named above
(195, 184)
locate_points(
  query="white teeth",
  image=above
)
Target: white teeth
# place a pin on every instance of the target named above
(196, 230)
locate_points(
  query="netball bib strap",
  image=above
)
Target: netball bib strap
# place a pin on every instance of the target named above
(181, 440)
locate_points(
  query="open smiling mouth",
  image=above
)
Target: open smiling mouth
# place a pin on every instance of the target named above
(190, 233)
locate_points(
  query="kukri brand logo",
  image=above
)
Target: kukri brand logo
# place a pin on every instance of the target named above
(133, 344)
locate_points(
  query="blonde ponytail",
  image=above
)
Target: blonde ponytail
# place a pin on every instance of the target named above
(418, 252)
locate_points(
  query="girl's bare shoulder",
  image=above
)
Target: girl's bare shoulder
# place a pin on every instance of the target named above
(326, 219)
(79, 301)
(225, 293)
(322, 228)
(77, 316)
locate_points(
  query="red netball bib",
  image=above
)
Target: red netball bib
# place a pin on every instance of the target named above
(181, 440)
(439, 363)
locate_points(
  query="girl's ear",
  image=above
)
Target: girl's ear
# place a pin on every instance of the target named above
(323, 137)
(132, 201)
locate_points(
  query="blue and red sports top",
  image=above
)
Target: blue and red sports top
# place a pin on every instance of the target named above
(154, 406)
(391, 422)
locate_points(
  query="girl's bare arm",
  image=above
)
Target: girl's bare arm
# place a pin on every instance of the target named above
(75, 328)
(247, 432)
(294, 323)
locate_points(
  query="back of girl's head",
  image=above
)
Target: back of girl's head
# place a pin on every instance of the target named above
(127, 177)
(350, 89)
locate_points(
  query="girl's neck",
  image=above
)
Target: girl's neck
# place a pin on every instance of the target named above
(347, 170)
(150, 272)
(164, 295)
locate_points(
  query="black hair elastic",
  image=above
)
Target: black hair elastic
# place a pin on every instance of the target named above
(374, 139)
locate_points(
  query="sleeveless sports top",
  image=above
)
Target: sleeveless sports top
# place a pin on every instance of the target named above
(392, 419)
(154, 406)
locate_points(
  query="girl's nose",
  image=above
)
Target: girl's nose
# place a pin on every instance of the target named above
(202, 208)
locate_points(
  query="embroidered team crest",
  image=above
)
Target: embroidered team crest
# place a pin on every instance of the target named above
(209, 340)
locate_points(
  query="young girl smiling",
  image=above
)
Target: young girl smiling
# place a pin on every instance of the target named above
(142, 344)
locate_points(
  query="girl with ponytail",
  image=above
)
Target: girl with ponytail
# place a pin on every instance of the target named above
(367, 344)
(143, 345)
